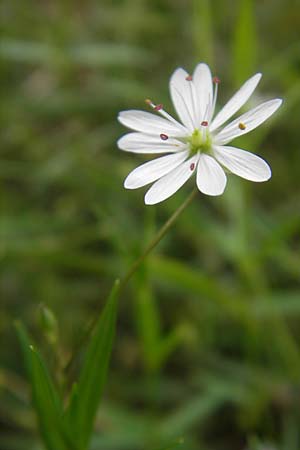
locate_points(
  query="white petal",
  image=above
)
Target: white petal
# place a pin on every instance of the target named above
(153, 170)
(211, 178)
(242, 163)
(181, 91)
(145, 143)
(169, 184)
(204, 89)
(250, 120)
(236, 102)
(150, 123)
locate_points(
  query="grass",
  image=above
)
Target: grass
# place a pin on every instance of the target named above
(208, 344)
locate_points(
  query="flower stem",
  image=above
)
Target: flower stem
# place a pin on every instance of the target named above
(133, 268)
(156, 239)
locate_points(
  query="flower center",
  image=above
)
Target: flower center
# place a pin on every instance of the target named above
(200, 141)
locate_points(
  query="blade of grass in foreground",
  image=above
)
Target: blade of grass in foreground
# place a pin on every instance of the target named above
(244, 51)
(87, 394)
(174, 444)
(46, 400)
(203, 31)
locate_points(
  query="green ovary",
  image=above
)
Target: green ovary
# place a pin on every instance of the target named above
(200, 141)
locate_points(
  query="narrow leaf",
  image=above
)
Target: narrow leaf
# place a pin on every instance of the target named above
(46, 400)
(148, 322)
(174, 444)
(244, 43)
(87, 394)
(203, 30)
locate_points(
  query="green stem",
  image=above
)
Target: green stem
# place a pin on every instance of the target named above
(137, 263)
(156, 239)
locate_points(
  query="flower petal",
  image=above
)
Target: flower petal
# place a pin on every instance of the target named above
(211, 178)
(248, 121)
(170, 183)
(145, 143)
(236, 102)
(181, 90)
(243, 163)
(150, 123)
(204, 89)
(153, 170)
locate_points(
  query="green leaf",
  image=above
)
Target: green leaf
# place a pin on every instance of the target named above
(244, 43)
(179, 276)
(148, 322)
(203, 30)
(87, 393)
(46, 400)
(174, 444)
(90, 55)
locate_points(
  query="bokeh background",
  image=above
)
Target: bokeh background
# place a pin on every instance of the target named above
(208, 338)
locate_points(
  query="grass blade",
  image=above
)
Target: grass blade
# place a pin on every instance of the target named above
(87, 394)
(203, 30)
(244, 50)
(174, 444)
(45, 397)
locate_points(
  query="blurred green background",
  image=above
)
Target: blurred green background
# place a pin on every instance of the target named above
(208, 336)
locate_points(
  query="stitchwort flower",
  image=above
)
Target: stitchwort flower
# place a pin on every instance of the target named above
(199, 143)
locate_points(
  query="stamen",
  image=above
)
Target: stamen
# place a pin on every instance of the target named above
(242, 126)
(215, 95)
(160, 109)
(155, 107)
(204, 123)
(189, 78)
(164, 137)
(192, 166)
(207, 113)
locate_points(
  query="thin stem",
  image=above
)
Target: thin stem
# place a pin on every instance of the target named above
(136, 264)
(156, 239)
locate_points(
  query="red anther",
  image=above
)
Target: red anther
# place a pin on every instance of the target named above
(164, 137)
(192, 166)
(204, 123)
(189, 78)
(158, 107)
(216, 80)
(242, 126)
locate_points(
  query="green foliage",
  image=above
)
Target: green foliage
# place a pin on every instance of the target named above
(174, 445)
(87, 393)
(71, 429)
(203, 30)
(208, 341)
(45, 397)
(245, 48)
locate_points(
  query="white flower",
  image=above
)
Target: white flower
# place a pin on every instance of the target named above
(198, 144)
